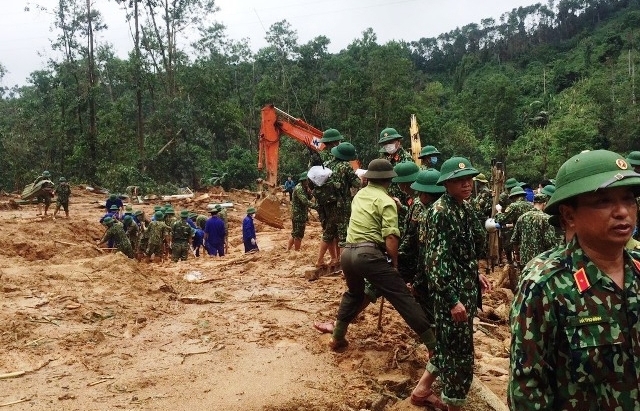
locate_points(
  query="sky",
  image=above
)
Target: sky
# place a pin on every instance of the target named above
(26, 35)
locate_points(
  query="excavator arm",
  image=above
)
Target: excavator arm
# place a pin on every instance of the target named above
(275, 123)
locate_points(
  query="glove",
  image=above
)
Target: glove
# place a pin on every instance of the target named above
(253, 241)
(498, 208)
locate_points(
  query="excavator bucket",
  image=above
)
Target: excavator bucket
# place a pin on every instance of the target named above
(268, 211)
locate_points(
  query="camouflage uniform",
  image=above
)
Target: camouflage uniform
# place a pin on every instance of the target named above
(181, 233)
(409, 263)
(399, 156)
(483, 203)
(222, 213)
(132, 230)
(300, 204)
(157, 231)
(572, 350)
(63, 192)
(345, 179)
(116, 234)
(456, 241)
(532, 235)
(509, 216)
(201, 220)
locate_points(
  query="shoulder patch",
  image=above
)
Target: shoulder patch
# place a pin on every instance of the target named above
(582, 282)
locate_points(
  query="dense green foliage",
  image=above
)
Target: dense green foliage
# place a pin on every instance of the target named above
(540, 85)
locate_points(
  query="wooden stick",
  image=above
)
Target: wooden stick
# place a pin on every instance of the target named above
(380, 313)
(25, 399)
(64, 242)
(12, 375)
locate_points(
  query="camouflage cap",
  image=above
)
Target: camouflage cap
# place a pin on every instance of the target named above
(427, 182)
(456, 167)
(407, 172)
(588, 172)
(388, 134)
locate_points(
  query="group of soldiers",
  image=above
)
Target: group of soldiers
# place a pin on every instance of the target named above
(137, 236)
(62, 192)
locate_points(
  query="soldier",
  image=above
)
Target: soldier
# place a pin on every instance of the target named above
(532, 233)
(429, 156)
(518, 206)
(633, 159)
(114, 200)
(483, 201)
(300, 205)
(132, 230)
(372, 238)
(63, 192)
(574, 319)
(159, 234)
(412, 251)
(181, 234)
(115, 233)
(456, 241)
(169, 216)
(288, 187)
(391, 150)
(407, 173)
(345, 179)
(47, 192)
(330, 138)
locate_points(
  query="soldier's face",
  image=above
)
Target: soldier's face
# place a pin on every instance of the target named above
(602, 219)
(460, 188)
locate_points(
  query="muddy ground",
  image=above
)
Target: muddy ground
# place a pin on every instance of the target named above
(85, 329)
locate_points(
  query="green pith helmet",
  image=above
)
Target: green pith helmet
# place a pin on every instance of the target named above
(193, 215)
(344, 151)
(213, 211)
(138, 212)
(112, 197)
(517, 191)
(62, 180)
(303, 176)
(218, 207)
(407, 172)
(113, 207)
(128, 208)
(380, 169)
(388, 134)
(107, 221)
(481, 178)
(548, 190)
(456, 167)
(427, 182)
(251, 210)
(588, 172)
(634, 158)
(45, 173)
(330, 135)
(184, 214)
(157, 208)
(128, 218)
(540, 198)
(428, 151)
(510, 183)
(169, 211)
(158, 215)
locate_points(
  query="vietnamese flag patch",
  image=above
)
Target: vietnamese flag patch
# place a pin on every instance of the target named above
(581, 280)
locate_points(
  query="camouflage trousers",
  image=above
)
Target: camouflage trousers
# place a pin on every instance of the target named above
(179, 251)
(298, 227)
(125, 248)
(154, 249)
(343, 216)
(453, 359)
(329, 221)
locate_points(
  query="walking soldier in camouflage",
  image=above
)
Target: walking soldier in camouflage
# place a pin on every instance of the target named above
(456, 241)
(63, 192)
(575, 319)
(181, 233)
(391, 149)
(300, 204)
(532, 233)
(158, 234)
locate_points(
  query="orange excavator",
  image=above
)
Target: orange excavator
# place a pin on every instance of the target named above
(275, 123)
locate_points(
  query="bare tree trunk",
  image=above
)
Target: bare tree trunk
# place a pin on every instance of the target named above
(93, 132)
(139, 121)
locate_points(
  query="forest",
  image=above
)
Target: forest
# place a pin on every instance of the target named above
(530, 89)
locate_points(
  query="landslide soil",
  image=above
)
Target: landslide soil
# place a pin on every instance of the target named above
(94, 330)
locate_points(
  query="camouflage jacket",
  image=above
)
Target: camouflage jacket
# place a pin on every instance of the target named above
(456, 240)
(483, 204)
(223, 216)
(345, 179)
(119, 237)
(400, 156)
(181, 232)
(573, 350)
(504, 200)
(411, 249)
(63, 192)
(300, 203)
(511, 214)
(157, 231)
(533, 234)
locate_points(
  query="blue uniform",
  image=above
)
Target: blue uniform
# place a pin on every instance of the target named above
(198, 240)
(111, 202)
(214, 231)
(248, 232)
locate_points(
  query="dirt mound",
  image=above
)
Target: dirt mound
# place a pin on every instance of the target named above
(87, 329)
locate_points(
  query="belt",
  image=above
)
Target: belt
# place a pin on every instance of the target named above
(360, 245)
